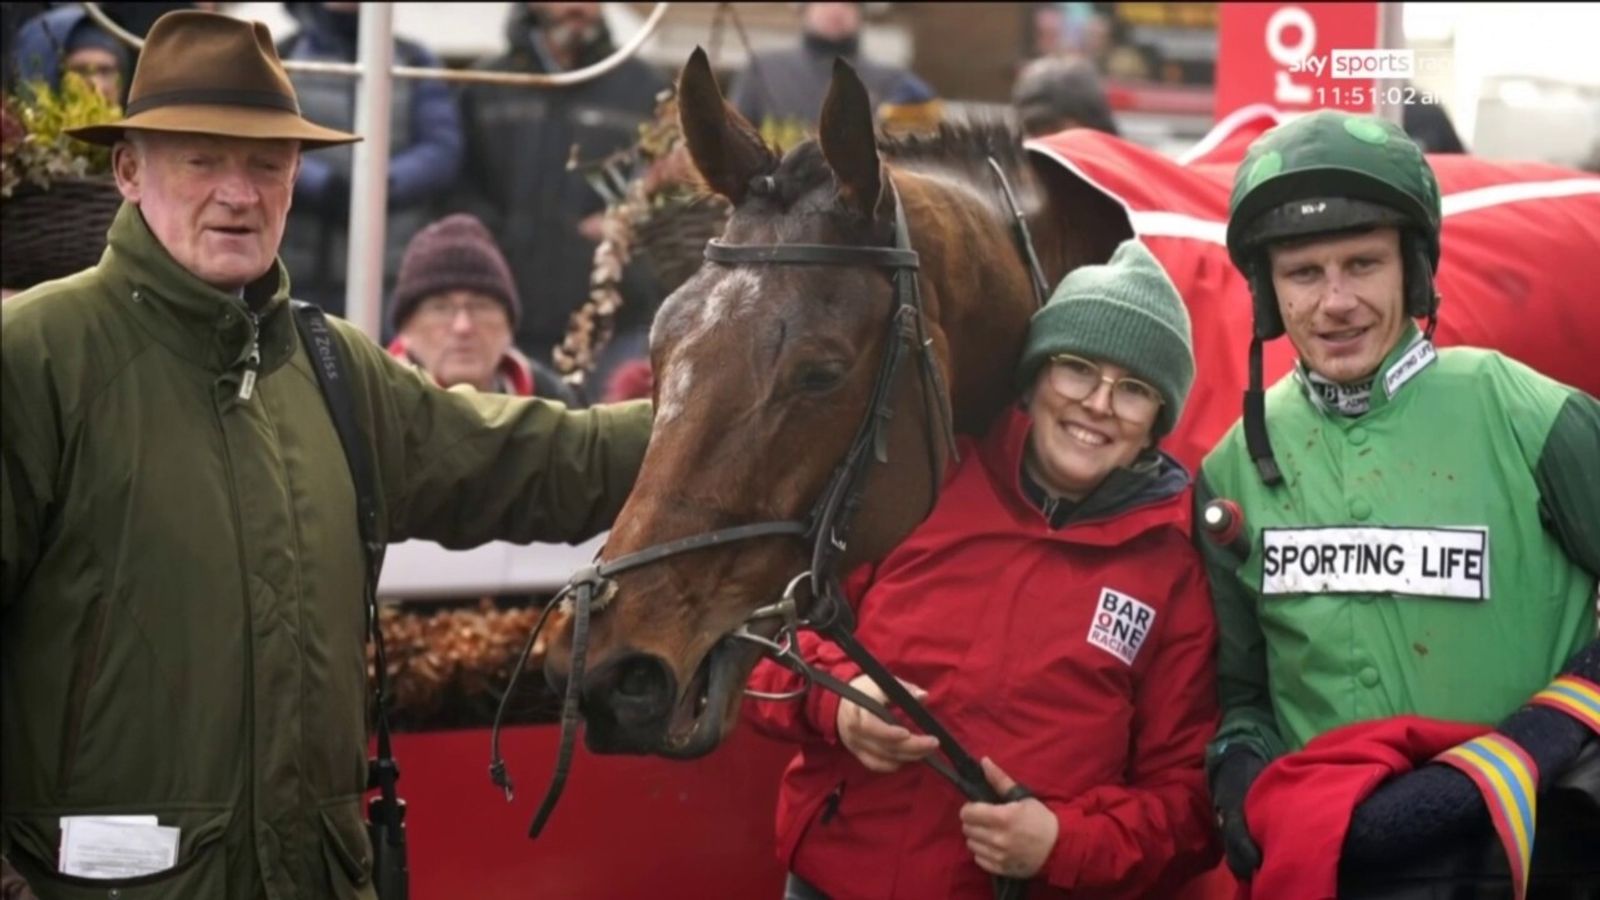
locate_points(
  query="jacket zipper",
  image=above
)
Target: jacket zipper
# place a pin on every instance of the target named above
(252, 361)
(247, 800)
(1050, 505)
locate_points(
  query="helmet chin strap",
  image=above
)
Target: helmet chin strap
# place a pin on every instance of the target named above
(1255, 421)
(1255, 408)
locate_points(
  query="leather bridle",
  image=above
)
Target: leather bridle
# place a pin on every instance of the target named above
(826, 528)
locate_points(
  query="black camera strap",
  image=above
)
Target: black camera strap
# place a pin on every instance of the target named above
(332, 375)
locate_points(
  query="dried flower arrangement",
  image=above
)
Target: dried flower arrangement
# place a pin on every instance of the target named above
(448, 668)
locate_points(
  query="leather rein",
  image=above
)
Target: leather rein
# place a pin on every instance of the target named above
(827, 527)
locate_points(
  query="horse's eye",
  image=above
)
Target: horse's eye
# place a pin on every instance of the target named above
(817, 379)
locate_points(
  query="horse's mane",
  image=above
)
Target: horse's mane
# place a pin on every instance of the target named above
(961, 149)
(964, 147)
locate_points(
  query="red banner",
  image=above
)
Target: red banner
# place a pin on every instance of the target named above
(1282, 54)
(627, 826)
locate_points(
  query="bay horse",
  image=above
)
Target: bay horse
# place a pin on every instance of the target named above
(764, 373)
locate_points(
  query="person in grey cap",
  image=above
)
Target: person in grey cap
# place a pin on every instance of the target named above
(1054, 93)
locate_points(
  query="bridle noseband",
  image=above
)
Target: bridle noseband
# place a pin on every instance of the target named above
(827, 527)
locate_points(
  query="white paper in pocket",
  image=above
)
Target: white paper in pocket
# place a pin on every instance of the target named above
(116, 846)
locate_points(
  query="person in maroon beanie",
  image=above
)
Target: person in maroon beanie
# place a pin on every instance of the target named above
(455, 310)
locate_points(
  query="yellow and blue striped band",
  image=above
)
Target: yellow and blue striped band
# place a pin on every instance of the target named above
(1577, 697)
(1509, 781)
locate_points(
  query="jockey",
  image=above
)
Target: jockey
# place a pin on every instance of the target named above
(1414, 530)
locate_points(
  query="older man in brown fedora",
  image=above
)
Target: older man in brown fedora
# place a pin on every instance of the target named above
(181, 569)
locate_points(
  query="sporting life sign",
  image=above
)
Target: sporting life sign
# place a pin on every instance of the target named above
(1424, 562)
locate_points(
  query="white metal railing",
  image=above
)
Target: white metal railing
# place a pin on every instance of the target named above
(422, 570)
(524, 79)
(369, 170)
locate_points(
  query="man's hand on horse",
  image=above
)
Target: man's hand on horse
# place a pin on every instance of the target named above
(881, 746)
(1009, 839)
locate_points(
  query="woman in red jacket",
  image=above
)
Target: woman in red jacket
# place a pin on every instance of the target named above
(1053, 614)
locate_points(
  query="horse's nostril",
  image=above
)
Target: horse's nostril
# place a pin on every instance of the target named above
(639, 686)
(640, 679)
(627, 701)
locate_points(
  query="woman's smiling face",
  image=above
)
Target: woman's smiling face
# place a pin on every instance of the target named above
(1074, 444)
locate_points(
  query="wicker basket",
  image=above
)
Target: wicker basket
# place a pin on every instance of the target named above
(51, 233)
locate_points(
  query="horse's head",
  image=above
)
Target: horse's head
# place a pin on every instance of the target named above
(763, 376)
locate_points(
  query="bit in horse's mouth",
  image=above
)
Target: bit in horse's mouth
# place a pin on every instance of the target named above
(698, 721)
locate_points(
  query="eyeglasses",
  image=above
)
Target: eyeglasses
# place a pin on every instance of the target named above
(481, 310)
(1077, 378)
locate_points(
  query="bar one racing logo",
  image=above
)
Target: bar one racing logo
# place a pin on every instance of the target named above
(1120, 624)
(1423, 562)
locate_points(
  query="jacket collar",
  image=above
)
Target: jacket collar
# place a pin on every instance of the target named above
(1125, 505)
(1152, 477)
(200, 323)
(1411, 355)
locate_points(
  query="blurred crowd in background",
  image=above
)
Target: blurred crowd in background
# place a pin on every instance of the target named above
(493, 223)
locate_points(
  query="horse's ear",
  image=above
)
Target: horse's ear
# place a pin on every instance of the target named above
(847, 139)
(725, 148)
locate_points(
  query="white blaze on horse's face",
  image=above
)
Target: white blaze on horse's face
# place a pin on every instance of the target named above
(731, 295)
(675, 390)
(738, 283)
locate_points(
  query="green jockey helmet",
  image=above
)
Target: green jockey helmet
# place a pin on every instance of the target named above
(1328, 172)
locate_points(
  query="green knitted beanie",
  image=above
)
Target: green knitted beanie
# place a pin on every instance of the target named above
(1127, 312)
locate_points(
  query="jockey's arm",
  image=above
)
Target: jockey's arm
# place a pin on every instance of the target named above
(1568, 476)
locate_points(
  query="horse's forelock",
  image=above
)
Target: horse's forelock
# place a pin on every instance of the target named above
(794, 198)
(802, 170)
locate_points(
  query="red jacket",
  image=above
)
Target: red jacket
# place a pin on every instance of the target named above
(997, 617)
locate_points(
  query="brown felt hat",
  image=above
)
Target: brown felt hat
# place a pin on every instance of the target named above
(207, 73)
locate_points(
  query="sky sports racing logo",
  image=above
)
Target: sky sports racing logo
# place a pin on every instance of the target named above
(1370, 64)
